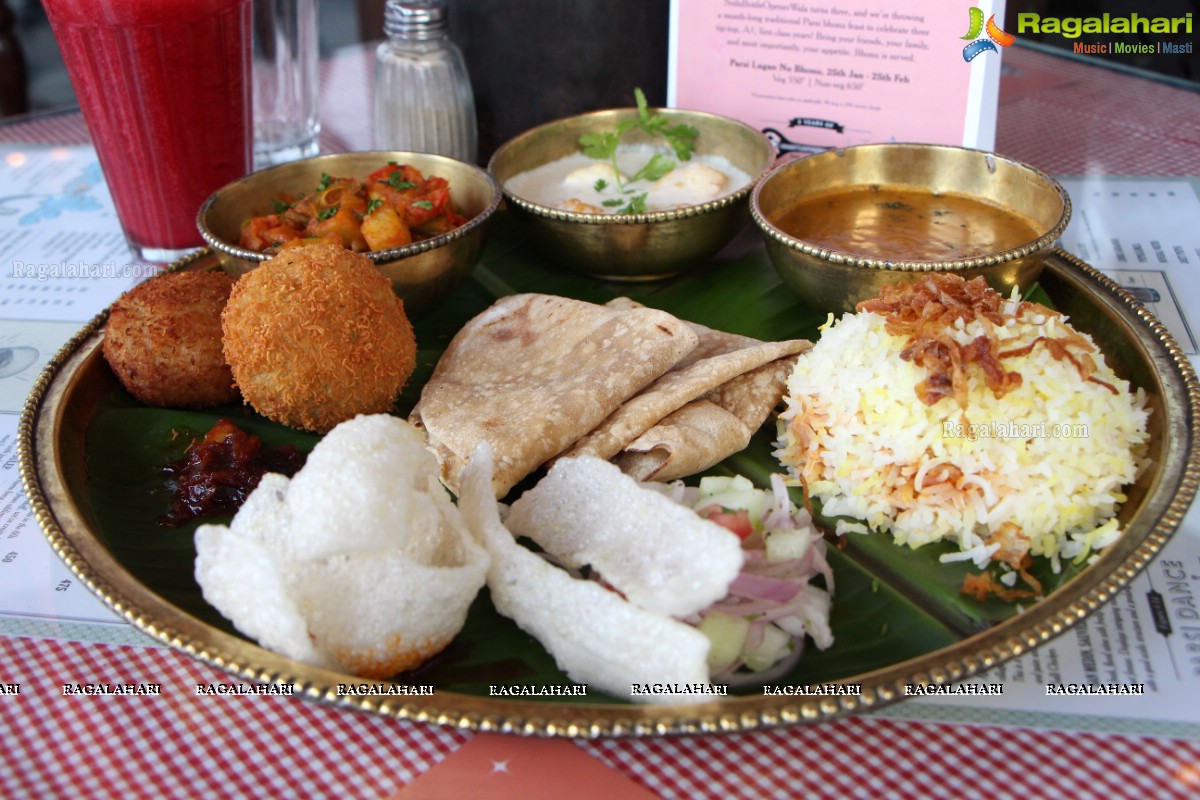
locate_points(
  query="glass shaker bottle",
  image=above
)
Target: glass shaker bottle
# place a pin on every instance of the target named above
(423, 98)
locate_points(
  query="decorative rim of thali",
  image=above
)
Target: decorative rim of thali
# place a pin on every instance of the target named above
(99, 570)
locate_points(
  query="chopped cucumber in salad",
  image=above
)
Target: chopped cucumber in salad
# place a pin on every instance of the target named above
(758, 631)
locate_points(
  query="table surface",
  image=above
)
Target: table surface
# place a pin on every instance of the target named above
(1063, 115)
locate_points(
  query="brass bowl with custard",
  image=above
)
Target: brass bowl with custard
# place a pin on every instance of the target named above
(422, 273)
(634, 246)
(841, 224)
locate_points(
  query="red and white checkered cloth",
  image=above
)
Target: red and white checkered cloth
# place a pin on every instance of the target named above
(1067, 117)
(1063, 116)
(184, 745)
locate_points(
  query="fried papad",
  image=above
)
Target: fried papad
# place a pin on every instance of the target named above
(360, 562)
(595, 636)
(533, 373)
(708, 430)
(657, 553)
(718, 358)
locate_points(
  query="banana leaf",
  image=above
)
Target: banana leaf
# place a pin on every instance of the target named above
(891, 603)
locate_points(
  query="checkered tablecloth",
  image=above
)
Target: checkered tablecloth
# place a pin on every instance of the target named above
(1063, 116)
(1067, 117)
(183, 745)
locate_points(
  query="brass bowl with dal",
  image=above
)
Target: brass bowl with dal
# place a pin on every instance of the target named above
(423, 273)
(634, 246)
(841, 224)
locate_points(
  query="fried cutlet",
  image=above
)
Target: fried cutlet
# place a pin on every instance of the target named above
(163, 340)
(316, 336)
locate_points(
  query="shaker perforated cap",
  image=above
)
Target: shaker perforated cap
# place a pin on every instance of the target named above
(415, 19)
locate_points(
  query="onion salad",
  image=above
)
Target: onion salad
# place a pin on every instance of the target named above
(758, 630)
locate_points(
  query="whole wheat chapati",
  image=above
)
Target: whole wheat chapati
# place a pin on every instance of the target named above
(708, 430)
(534, 373)
(718, 358)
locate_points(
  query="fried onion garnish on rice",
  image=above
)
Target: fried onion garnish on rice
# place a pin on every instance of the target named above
(928, 311)
(943, 411)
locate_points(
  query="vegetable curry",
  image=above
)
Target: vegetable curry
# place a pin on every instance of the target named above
(395, 206)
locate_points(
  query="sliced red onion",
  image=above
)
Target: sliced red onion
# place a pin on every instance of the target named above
(778, 593)
(765, 587)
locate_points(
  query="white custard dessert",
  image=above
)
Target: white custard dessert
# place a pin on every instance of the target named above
(587, 185)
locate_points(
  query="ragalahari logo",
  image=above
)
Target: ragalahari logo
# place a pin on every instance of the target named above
(995, 36)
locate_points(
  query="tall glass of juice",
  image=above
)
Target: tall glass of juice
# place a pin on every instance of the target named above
(164, 86)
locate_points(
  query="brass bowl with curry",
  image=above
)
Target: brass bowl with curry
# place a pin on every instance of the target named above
(841, 224)
(423, 271)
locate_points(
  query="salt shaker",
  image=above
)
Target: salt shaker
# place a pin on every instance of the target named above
(423, 98)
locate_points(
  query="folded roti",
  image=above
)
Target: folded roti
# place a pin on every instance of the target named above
(534, 373)
(718, 358)
(707, 430)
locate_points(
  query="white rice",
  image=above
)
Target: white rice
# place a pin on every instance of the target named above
(1051, 457)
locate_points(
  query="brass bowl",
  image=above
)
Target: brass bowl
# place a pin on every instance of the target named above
(836, 281)
(422, 273)
(634, 247)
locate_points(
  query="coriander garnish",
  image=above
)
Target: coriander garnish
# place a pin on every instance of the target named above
(396, 181)
(680, 137)
(636, 205)
(658, 166)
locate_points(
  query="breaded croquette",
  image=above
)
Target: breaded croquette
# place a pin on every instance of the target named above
(316, 336)
(163, 340)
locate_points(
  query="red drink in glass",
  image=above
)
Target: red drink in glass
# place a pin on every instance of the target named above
(165, 91)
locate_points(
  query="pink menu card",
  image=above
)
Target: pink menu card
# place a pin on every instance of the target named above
(815, 74)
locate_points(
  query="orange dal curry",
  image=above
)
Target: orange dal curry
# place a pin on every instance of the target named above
(904, 224)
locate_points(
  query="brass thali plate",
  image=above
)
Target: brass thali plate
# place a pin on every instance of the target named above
(893, 629)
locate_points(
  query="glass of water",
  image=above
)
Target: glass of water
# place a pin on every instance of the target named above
(286, 81)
